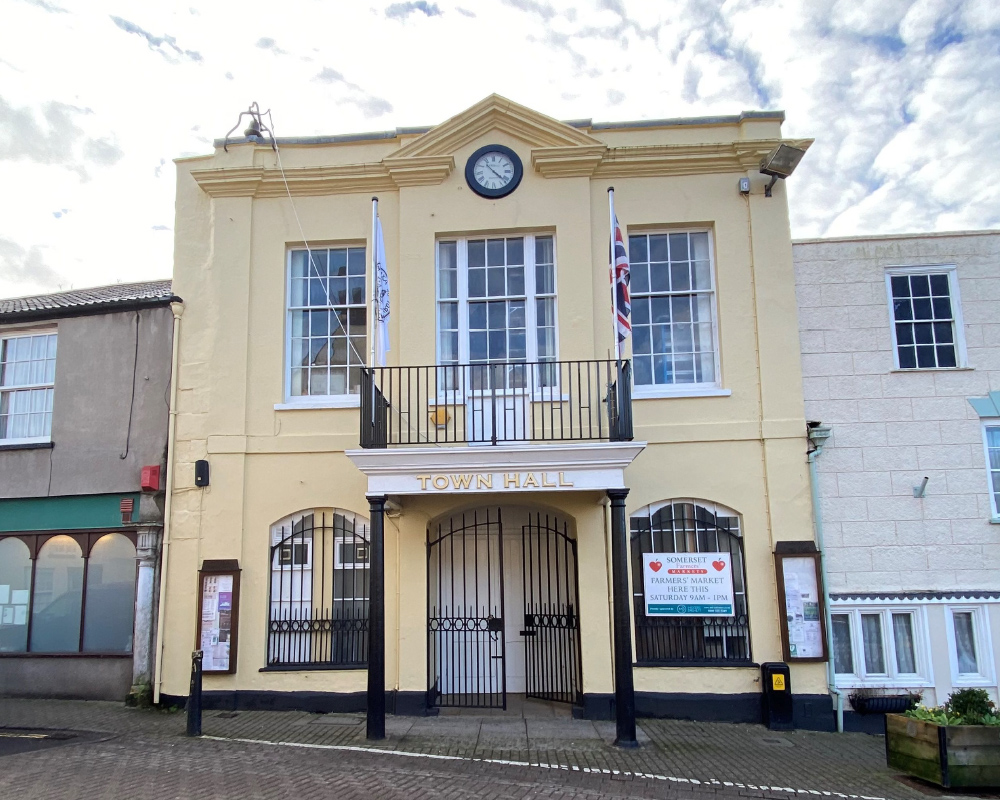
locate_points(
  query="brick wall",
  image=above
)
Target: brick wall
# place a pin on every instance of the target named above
(892, 428)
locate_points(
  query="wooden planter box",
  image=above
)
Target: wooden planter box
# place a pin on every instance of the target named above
(948, 755)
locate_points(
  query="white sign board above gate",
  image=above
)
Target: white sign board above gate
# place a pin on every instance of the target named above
(497, 470)
(688, 584)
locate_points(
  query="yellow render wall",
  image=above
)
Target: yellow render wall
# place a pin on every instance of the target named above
(745, 451)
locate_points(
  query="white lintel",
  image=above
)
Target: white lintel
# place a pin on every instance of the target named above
(487, 469)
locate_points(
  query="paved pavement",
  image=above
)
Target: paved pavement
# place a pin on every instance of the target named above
(143, 754)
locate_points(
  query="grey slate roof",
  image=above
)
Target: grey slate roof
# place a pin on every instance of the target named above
(97, 299)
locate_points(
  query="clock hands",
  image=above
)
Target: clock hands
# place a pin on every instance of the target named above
(493, 171)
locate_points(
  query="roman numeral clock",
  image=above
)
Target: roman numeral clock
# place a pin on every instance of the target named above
(493, 171)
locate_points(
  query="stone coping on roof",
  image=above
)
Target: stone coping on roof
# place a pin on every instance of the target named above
(725, 119)
(97, 298)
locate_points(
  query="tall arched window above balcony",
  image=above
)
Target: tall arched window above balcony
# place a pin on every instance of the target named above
(689, 526)
(319, 590)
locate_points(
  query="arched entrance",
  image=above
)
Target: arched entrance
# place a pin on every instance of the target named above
(503, 610)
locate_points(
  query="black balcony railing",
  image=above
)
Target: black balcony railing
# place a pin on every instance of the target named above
(497, 404)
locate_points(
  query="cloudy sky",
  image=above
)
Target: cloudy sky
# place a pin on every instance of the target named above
(98, 96)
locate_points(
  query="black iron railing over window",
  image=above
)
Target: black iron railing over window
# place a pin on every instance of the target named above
(688, 526)
(497, 404)
(319, 593)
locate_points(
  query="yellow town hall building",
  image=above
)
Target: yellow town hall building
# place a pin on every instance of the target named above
(452, 524)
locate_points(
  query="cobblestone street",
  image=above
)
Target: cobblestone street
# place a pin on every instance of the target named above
(122, 753)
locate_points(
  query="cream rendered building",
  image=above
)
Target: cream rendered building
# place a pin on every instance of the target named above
(499, 552)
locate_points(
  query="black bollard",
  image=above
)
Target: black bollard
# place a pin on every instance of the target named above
(194, 696)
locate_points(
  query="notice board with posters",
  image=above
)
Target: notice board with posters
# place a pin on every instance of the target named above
(800, 594)
(218, 615)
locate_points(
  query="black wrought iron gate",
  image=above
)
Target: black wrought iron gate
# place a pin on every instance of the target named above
(465, 627)
(551, 611)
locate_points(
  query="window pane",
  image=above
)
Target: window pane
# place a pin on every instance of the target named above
(965, 643)
(902, 637)
(58, 597)
(843, 651)
(15, 581)
(107, 627)
(871, 635)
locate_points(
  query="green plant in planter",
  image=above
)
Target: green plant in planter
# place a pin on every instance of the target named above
(964, 707)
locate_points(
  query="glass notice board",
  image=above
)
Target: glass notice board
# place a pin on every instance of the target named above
(218, 618)
(800, 594)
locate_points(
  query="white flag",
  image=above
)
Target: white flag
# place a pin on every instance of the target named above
(381, 297)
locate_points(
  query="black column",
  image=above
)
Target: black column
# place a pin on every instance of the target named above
(624, 690)
(376, 620)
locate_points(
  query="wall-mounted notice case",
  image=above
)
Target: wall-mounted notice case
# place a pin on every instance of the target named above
(218, 614)
(800, 594)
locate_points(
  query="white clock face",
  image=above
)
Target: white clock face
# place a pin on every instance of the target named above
(493, 170)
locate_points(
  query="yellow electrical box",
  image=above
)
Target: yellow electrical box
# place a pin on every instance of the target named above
(778, 682)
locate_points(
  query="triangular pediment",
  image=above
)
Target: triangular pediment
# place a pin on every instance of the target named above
(495, 113)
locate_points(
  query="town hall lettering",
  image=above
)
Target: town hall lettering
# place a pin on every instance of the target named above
(477, 481)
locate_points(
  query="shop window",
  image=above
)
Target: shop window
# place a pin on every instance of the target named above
(690, 526)
(111, 574)
(672, 286)
(70, 599)
(926, 319)
(971, 652)
(327, 323)
(27, 380)
(879, 646)
(319, 590)
(15, 589)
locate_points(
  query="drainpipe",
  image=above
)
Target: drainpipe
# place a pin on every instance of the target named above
(178, 309)
(818, 434)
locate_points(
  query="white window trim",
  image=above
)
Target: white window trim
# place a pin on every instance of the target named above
(961, 356)
(462, 301)
(990, 422)
(984, 646)
(704, 389)
(292, 402)
(17, 333)
(923, 678)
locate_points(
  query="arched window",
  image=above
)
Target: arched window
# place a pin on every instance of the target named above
(58, 599)
(111, 572)
(689, 526)
(319, 590)
(15, 586)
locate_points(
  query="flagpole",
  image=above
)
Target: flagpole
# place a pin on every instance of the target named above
(374, 314)
(614, 275)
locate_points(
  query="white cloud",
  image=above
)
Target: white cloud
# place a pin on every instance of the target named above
(901, 96)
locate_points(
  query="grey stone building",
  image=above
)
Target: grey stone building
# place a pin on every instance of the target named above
(900, 341)
(84, 383)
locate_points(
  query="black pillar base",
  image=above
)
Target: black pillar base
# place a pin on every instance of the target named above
(624, 687)
(376, 620)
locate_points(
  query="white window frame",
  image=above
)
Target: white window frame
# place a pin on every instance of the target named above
(339, 563)
(21, 333)
(892, 678)
(961, 357)
(462, 300)
(704, 389)
(349, 400)
(983, 643)
(990, 422)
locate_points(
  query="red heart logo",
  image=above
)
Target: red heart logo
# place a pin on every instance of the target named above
(656, 566)
(719, 565)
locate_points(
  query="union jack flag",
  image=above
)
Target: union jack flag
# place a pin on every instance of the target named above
(620, 278)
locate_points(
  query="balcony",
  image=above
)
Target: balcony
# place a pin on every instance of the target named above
(506, 404)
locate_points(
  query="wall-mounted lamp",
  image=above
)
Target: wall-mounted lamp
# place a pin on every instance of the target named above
(780, 163)
(918, 491)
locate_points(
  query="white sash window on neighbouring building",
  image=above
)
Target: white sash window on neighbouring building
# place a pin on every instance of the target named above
(496, 301)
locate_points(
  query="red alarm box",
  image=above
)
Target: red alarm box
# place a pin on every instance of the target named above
(151, 479)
